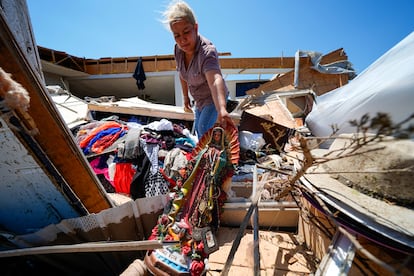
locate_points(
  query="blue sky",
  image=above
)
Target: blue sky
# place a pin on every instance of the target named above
(366, 29)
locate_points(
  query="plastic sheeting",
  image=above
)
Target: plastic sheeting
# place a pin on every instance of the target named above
(386, 86)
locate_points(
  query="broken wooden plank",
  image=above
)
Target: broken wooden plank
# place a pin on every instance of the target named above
(147, 109)
(84, 247)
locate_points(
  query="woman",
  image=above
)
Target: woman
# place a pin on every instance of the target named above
(199, 68)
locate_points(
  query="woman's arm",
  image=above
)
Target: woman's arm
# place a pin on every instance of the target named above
(217, 87)
(187, 104)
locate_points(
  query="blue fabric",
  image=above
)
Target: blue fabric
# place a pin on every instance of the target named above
(205, 119)
(172, 264)
(182, 141)
(99, 135)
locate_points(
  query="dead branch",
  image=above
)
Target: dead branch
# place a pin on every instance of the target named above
(384, 127)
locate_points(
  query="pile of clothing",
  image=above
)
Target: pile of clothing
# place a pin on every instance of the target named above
(135, 159)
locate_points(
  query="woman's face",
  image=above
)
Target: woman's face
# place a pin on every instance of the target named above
(185, 35)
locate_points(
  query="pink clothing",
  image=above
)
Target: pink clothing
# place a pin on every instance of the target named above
(205, 59)
(94, 164)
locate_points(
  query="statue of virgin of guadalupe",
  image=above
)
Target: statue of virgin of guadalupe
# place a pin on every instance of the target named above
(193, 216)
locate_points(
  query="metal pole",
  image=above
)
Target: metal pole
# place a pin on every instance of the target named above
(253, 208)
(256, 249)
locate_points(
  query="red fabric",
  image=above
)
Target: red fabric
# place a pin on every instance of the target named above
(185, 250)
(106, 141)
(123, 177)
(170, 180)
(197, 267)
(200, 246)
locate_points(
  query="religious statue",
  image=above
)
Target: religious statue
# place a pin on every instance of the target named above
(191, 220)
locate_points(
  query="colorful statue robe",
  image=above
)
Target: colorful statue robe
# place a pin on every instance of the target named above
(193, 216)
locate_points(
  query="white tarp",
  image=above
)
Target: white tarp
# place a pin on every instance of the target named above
(386, 86)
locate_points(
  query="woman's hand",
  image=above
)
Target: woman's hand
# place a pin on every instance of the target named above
(224, 119)
(187, 105)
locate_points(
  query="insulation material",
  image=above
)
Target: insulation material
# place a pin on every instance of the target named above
(386, 86)
(13, 94)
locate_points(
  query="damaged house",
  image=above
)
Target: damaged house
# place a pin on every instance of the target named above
(96, 151)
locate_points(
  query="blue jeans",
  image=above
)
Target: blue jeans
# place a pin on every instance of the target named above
(204, 119)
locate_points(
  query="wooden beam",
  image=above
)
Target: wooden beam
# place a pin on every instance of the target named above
(156, 63)
(151, 110)
(109, 246)
(116, 66)
(257, 63)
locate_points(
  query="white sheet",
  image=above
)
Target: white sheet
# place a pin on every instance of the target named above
(386, 86)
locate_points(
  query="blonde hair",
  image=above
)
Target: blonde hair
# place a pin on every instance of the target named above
(178, 10)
